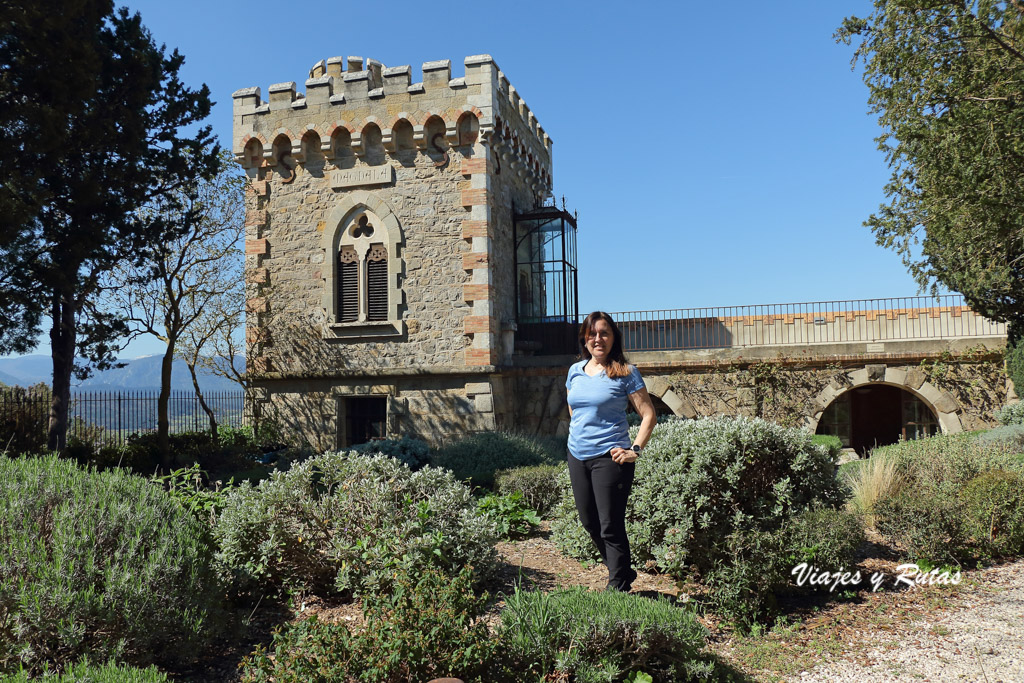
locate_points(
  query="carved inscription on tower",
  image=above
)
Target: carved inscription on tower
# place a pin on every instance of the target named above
(373, 175)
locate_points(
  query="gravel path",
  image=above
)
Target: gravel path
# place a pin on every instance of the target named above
(979, 638)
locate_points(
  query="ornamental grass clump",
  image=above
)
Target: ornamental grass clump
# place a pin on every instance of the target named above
(343, 522)
(104, 565)
(876, 479)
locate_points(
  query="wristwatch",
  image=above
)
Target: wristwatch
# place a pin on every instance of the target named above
(636, 448)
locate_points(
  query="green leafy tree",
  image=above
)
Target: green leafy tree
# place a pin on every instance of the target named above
(91, 114)
(946, 78)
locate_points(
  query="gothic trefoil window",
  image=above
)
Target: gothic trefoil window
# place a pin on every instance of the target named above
(362, 241)
(362, 275)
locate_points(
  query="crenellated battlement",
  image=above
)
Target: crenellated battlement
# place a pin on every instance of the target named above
(351, 106)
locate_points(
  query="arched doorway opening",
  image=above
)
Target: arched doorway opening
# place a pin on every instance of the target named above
(877, 415)
(660, 408)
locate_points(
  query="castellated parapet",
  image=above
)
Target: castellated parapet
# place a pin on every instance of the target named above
(379, 246)
(368, 99)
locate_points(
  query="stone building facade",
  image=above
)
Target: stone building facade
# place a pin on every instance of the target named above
(380, 248)
(393, 240)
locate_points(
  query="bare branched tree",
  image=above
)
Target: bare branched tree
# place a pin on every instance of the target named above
(185, 294)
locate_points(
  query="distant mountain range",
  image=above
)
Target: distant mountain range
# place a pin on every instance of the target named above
(139, 374)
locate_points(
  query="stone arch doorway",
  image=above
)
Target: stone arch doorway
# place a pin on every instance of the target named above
(939, 403)
(877, 414)
(666, 402)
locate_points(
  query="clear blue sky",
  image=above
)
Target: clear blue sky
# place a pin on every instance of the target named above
(718, 154)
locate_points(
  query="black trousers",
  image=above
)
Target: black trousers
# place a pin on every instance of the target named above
(601, 487)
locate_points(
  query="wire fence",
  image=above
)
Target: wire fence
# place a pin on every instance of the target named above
(109, 417)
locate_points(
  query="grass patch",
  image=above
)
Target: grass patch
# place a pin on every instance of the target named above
(872, 481)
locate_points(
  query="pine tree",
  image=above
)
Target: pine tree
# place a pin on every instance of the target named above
(91, 114)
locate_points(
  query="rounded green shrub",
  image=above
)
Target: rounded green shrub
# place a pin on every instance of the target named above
(993, 503)
(757, 565)
(699, 481)
(100, 565)
(927, 526)
(537, 484)
(412, 453)
(478, 456)
(1011, 413)
(349, 522)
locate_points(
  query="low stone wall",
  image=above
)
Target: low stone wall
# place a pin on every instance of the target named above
(962, 384)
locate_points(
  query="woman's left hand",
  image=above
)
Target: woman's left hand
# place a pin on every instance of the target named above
(623, 456)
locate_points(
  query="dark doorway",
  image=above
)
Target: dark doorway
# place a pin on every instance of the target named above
(877, 415)
(365, 419)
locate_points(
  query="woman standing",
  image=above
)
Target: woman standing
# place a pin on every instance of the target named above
(601, 458)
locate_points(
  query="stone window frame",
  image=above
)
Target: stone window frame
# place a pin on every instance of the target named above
(388, 232)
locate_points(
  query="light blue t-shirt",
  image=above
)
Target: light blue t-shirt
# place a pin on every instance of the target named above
(599, 410)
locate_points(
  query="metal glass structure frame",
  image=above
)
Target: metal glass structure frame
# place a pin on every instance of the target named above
(546, 283)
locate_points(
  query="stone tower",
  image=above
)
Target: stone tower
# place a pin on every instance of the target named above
(380, 254)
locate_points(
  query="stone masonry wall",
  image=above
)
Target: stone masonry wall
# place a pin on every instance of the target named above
(969, 386)
(292, 143)
(426, 202)
(444, 164)
(433, 409)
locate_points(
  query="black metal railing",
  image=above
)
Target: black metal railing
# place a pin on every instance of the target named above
(822, 322)
(109, 417)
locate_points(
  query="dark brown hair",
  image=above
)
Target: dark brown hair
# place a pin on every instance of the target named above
(617, 365)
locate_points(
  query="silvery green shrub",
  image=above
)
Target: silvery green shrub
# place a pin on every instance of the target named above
(1008, 437)
(350, 522)
(413, 453)
(538, 484)
(700, 481)
(477, 457)
(1011, 414)
(602, 636)
(104, 565)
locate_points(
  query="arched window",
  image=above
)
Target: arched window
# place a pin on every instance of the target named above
(362, 274)
(363, 293)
